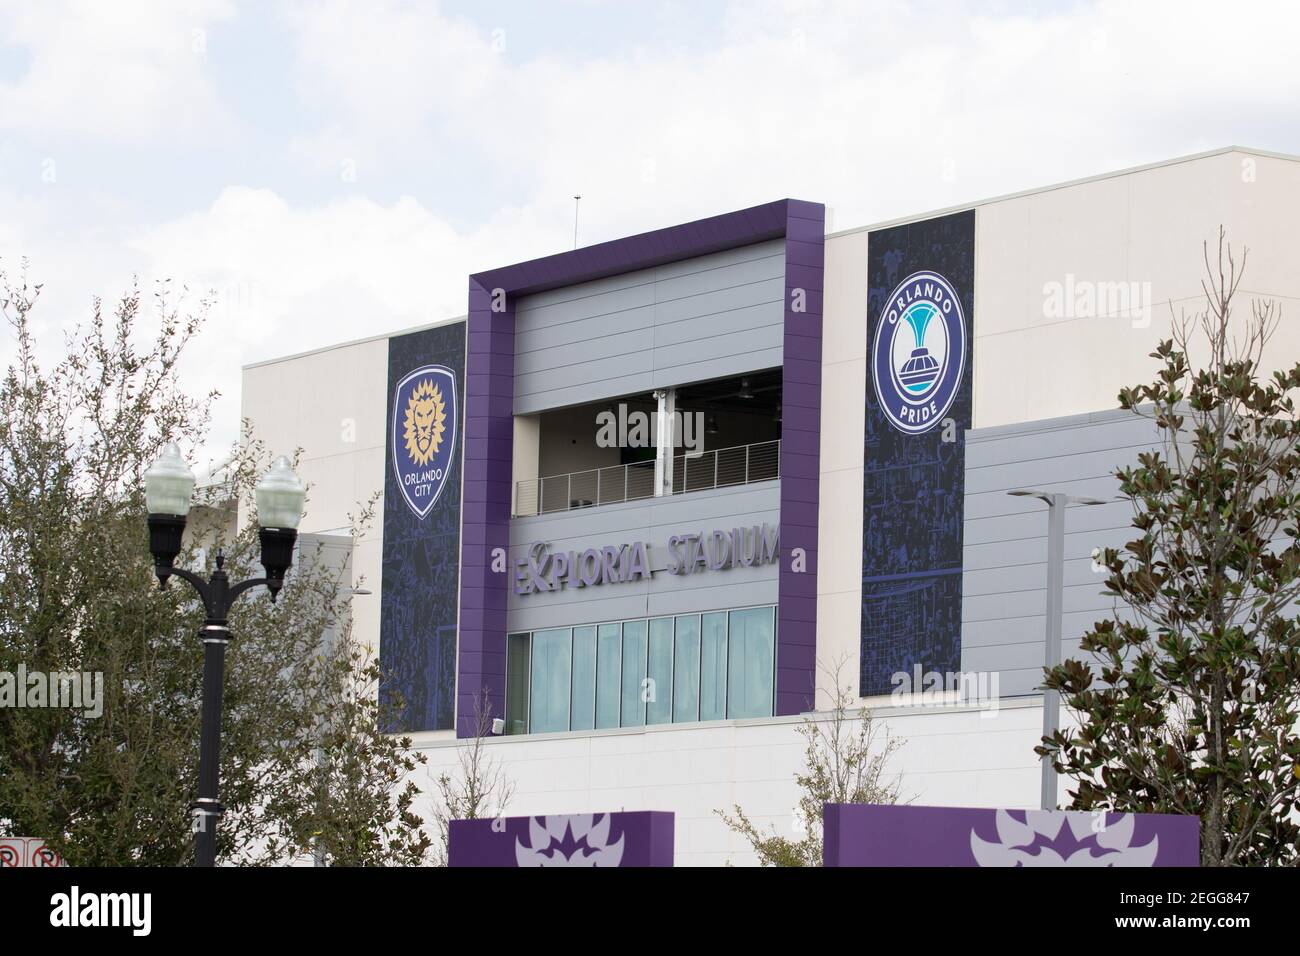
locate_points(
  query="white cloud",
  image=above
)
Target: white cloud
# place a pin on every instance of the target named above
(288, 280)
(882, 109)
(111, 70)
(878, 109)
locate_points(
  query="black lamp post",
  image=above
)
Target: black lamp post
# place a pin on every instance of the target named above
(168, 486)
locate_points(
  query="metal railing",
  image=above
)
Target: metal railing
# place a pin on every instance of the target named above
(715, 468)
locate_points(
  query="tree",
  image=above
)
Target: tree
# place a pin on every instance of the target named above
(77, 594)
(1189, 703)
(480, 788)
(353, 804)
(846, 758)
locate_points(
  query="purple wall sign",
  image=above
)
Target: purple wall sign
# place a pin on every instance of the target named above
(642, 838)
(489, 430)
(872, 835)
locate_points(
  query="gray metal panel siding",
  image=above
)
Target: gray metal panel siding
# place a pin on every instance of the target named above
(652, 521)
(1005, 539)
(714, 315)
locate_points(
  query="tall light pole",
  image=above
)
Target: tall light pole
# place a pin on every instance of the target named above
(169, 483)
(1056, 504)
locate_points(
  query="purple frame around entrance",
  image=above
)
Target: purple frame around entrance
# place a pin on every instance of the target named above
(489, 431)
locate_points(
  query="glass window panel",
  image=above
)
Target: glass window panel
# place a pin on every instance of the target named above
(552, 672)
(609, 646)
(659, 684)
(749, 663)
(686, 669)
(517, 684)
(634, 648)
(713, 666)
(582, 713)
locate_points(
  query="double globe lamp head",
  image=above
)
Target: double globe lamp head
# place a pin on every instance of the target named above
(169, 485)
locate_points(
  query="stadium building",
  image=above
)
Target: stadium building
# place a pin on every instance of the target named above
(648, 497)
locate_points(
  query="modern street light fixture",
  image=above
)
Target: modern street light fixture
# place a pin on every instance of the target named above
(169, 483)
(1056, 505)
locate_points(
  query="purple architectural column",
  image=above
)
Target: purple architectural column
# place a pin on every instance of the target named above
(801, 387)
(485, 520)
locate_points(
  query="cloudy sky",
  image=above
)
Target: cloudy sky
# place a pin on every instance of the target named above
(334, 170)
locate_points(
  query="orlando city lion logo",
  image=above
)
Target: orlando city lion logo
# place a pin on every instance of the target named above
(919, 352)
(424, 435)
(426, 420)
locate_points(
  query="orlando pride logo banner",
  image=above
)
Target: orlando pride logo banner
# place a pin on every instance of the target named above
(422, 501)
(920, 304)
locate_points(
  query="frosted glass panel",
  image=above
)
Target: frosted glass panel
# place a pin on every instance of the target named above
(713, 667)
(659, 685)
(634, 647)
(686, 669)
(551, 675)
(582, 710)
(517, 683)
(609, 670)
(749, 663)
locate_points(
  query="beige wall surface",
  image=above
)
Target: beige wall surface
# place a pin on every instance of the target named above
(331, 405)
(1130, 248)
(1074, 286)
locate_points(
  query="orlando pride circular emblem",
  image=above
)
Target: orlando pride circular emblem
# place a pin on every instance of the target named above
(919, 352)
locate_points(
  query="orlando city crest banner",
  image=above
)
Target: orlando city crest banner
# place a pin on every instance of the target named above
(422, 497)
(920, 305)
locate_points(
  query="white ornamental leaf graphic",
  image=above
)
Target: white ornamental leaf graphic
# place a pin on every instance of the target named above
(1117, 835)
(580, 839)
(1084, 857)
(1048, 823)
(1014, 839)
(1011, 832)
(1082, 824)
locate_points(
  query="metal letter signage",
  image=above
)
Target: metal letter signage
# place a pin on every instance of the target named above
(545, 570)
(424, 434)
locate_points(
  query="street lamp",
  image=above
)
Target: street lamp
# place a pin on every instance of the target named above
(168, 484)
(1056, 504)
